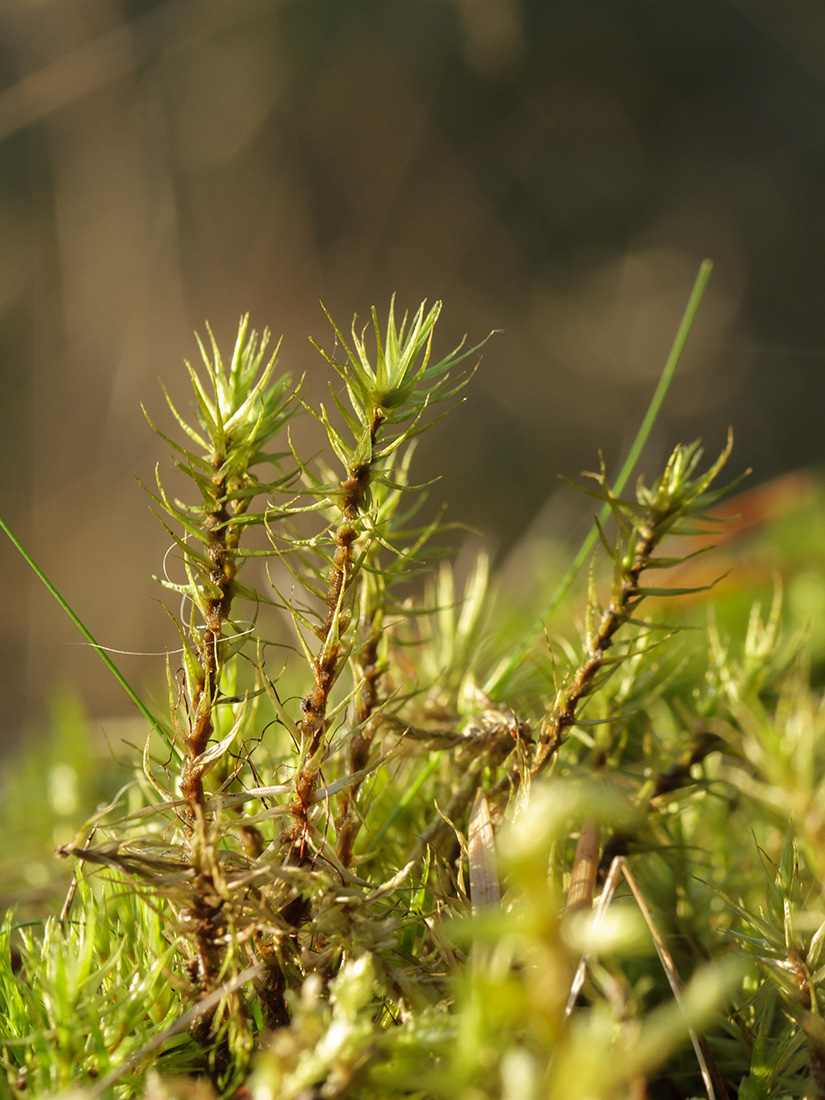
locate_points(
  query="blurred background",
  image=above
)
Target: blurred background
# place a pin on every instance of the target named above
(554, 169)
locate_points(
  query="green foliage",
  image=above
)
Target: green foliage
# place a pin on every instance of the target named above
(343, 868)
(83, 996)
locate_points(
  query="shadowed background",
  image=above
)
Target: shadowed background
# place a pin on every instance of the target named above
(556, 170)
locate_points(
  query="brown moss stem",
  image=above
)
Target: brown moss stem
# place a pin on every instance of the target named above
(204, 915)
(563, 716)
(325, 666)
(349, 824)
(221, 550)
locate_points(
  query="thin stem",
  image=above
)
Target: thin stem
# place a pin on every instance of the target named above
(403, 802)
(87, 634)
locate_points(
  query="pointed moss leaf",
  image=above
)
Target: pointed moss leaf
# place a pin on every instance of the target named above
(334, 633)
(677, 591)
(610, 549)
(188, 551)
(205, 761)
(648, 625)
(670, 563)
(251, 552)
(407, 486)
(213, 367)
(171, 586)
(304, 581)
(381, 376)
(336, 441)
(604, 494)
(341, 706)
(392, 444)
(299, 620)
(207, 411)
(190, 458)
(815, 950)
(244, 592)
(280, 710)
(191, 432)
(351, 422)
(177, 513)
(204, 482)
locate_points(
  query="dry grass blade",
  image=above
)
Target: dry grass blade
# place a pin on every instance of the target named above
(585, 866)
(484, 887)
(609, 890)
(704, 1058)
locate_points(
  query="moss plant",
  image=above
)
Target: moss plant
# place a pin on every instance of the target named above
(377, 846)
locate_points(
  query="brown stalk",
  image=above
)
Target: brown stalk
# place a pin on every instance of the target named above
(349, 824)
(205, 915)
(325, 666)
(221, 548)
(563, 716)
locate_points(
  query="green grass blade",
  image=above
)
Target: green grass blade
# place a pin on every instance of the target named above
(501, 674)
(404, 801)
(87, 634)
